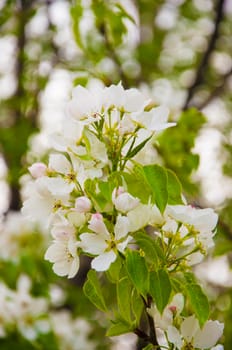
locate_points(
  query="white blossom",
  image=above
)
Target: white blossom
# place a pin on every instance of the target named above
(191, 333)
(103, 243)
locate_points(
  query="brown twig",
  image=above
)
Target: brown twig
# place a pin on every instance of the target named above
(199, 79)
(217, 91)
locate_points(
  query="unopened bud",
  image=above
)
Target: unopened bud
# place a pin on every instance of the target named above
(83, 204)
(38, 170)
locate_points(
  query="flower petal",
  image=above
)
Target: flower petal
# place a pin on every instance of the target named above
(92, 243)
(208, 336)
(103, 261)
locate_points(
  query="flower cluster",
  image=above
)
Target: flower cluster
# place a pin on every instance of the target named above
(182, 333)
(97, 199)
(22, 312)
(103, 132)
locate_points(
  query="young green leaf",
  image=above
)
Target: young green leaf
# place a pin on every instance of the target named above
(174, 188)
(93, 291)
(114, 270)
(124, 298)
(160, 288)
(119, 327)
(137, 271)
(157, 179)
(152, 251)
(137, 306)
(198, 301)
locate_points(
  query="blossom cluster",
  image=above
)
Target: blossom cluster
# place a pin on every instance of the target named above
(185, 332)
(31, 317)
(96, 197)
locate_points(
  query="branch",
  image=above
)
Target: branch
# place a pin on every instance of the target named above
(199, 79)
(217, 91)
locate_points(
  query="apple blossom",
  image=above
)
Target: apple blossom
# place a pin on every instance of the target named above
(104, 244)
(191, 334)
(38, 169)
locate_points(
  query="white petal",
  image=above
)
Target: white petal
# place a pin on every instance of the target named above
(135, 100)
(59, 163)
(189, 327)
(139, 217)
(74, 267)
(209, 335)
(92, 243)
(61, 268)
(58, 186)
(174, 336)
(121, 227)
(56, 252)
(103, 261)
(122, 246)
(96, 224)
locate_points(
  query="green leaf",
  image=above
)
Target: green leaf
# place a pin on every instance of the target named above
(137, 271)
(151, 249)
(93, 291)
(138, 148)
(137, 305)
(148, 347)
(137, 185)
(114, 270)
(198, 301)
(156, 177)
(160, 288)
(124, 298)
(174, 188)
(119, 327)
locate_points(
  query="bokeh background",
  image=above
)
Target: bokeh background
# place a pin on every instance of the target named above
(178, 53)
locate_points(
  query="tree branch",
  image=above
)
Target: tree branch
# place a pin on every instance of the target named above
(217, 91)
(199, 79)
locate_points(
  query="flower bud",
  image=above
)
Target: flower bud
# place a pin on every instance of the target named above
(38, 170)
(124, 201)
(83, 204)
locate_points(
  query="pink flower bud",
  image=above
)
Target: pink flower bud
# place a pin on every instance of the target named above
(173, 309)
(96, 224)
(83, 205)
(38, 170)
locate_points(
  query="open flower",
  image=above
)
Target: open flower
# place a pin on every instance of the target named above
(192, 335)
(63, 251)
(103, 243)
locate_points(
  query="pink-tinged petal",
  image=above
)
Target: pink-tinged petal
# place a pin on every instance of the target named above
(189, 327)
(83, 204)
(103, 261)
(96, 224)
(121, 227)
(209, 335)
(174, 336)
(38, 170)
(92, 243)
